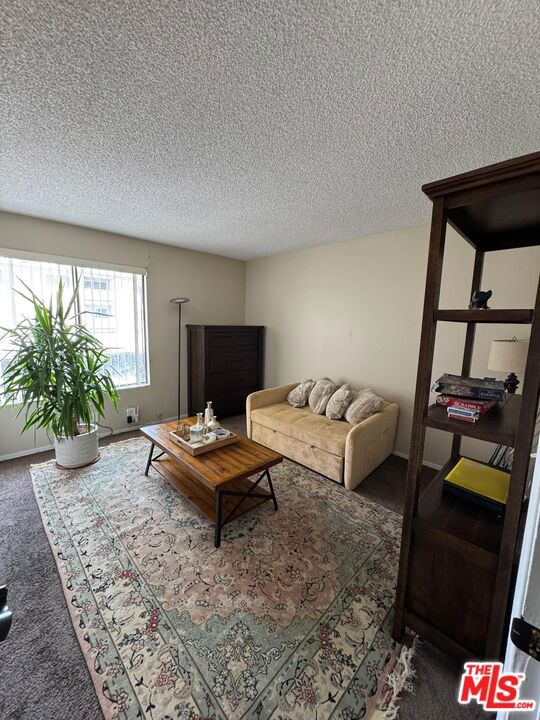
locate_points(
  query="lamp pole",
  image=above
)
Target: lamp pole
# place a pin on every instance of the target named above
(179, 301)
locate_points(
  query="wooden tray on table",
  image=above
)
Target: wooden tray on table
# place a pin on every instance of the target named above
(202, 447)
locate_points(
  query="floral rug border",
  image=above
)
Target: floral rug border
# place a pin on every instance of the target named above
(97, 679)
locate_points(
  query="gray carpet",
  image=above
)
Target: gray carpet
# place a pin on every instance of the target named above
(43, 672)
(43, 675)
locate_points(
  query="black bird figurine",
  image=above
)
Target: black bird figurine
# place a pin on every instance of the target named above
(479, 300)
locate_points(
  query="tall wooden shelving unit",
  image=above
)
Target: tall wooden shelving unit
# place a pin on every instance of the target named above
(457, 559)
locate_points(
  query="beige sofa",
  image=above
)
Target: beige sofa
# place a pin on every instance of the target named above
(340, 451)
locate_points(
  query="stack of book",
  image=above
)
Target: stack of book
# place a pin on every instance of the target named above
(468, 398)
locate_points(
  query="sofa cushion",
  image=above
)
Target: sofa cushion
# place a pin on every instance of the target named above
(299, 395)
(321, 394)
(339, 402)
(365, 404)
(304, 425)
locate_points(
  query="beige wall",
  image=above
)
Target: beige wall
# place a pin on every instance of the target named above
(216, 286)
(352, 311)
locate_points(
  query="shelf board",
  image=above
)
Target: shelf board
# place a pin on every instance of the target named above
(459, 518)
(202, 497)
(503, 222)
(497, 427)
(495, 207)
(518, 316)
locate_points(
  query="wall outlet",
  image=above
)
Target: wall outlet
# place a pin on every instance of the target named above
(132, 414)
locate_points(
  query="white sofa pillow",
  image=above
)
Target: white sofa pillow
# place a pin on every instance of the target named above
(320, 395)
(365, 404)
(339, 402)
(299, 395)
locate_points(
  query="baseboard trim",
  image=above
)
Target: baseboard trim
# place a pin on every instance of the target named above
(130, 428)
(102, 434)
(427, 463)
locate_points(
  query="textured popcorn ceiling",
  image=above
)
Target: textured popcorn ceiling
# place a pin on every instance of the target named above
(250, 127)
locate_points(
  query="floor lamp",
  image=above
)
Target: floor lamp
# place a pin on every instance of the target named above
(179, 301)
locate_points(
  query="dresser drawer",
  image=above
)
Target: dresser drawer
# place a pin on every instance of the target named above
(233, 362)
(220, 383)
(221, 341)
(247, 340)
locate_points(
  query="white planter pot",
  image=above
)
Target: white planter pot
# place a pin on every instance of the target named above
(77, 451)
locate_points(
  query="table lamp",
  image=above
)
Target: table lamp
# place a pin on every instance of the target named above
(509, 356)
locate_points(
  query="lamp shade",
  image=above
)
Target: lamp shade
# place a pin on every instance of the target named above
(508, 355)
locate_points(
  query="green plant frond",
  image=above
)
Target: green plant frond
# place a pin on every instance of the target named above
(30, 297)
(73, 298)
(59, 302)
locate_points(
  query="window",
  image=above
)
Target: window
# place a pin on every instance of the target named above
(96, 284)
(112, 306)
(98, 309)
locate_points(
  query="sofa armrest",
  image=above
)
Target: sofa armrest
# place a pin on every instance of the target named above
(368, 444)
(262, 398)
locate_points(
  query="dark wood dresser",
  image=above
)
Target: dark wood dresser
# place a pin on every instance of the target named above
(225, 364)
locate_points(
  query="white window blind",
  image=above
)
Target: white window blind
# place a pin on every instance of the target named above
(112, 304)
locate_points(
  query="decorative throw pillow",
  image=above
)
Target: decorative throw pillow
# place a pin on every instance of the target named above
(365, 404)
(339, 402)
(299, 395)
(320, 395)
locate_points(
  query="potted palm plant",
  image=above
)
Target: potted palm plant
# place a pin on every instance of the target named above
(57, 372)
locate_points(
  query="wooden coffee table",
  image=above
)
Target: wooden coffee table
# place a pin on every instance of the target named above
(217, 482)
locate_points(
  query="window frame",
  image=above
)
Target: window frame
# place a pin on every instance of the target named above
(76, 269)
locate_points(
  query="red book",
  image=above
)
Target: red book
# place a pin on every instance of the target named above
(465, 418)
(482, 406)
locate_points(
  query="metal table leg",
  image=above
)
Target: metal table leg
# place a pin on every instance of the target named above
(220, 523)
(151, 459)
(274, 500)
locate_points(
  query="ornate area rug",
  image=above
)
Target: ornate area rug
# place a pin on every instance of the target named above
(289, 619)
